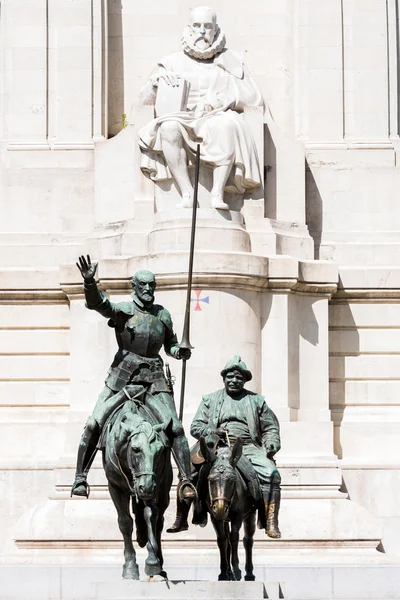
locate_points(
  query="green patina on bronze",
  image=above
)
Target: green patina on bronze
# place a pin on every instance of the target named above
(238, 437)
(136, 375)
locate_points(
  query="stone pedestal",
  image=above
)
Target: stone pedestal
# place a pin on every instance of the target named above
(186, 590)
(221, 230)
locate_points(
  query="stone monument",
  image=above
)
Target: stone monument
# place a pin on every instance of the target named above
(300, 273)
(219, 89)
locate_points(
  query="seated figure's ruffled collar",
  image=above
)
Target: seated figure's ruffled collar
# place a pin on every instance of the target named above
(216, 47)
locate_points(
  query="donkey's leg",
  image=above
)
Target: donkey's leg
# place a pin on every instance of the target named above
(222, 542)
(152, 564)
(229, 550)
(121, 501)
(236, 524)
(248, 540)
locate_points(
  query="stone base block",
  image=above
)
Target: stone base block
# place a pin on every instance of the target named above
(301, 580)
(215, 229)
(177, 590)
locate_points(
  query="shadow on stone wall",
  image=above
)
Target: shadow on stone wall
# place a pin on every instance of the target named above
(345, 340)
(269, 175)
(116, 115)
(314, 214)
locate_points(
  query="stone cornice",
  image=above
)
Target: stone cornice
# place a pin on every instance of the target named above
(368, 284)
(21, 296)
(212, 270)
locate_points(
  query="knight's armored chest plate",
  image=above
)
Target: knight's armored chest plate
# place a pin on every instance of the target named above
(143, 334)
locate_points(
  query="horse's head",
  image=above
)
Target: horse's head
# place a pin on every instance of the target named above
(143, 451)
(222, 476)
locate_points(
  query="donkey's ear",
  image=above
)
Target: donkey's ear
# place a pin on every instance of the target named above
(236, 452)
(208, 454)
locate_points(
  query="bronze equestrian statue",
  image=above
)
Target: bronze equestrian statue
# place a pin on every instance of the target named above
(137, 464)
(141, 329)
(231, 413)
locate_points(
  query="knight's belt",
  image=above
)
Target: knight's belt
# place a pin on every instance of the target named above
(128, 367)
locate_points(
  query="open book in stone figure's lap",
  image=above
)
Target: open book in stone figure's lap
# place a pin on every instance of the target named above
(171, 99)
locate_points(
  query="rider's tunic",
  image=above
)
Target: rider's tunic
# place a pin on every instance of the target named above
(249, 418)
(140, 334)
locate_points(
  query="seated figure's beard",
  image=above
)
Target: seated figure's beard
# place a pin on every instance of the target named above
(199, 48)
(202, 43)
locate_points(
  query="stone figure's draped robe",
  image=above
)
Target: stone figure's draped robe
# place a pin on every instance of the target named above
(225, 85)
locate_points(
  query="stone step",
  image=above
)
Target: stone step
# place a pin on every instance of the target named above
(185, 590)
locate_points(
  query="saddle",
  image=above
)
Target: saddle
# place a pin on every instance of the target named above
(118, 413)
(244, 467)
(120, 400)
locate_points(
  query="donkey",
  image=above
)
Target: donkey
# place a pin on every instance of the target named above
(137, 464)
(230, 504)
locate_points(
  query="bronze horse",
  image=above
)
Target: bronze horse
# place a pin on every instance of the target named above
(230, 504)
(137, 464)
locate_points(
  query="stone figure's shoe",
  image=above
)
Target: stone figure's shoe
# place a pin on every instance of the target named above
(80, 487)
(187, 491)
(218, 203)
(187, 201)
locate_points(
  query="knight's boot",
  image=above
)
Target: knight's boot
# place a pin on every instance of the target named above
(180, 450)
(182, 511)
(272, 512)
(86, 453)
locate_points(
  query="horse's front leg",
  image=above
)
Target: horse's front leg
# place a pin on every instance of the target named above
(121, 501)
(152, 564)
(236, 524)
(248, 540)
(222, 541)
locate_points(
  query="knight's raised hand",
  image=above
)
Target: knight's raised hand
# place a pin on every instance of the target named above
(87, 269)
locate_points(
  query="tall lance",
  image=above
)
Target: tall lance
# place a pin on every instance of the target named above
(185, 343)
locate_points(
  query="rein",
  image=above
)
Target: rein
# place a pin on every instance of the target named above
(220, 496)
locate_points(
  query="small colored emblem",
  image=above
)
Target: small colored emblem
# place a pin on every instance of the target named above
(198, 299)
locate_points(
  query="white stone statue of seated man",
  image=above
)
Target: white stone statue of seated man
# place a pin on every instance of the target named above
(220, 89)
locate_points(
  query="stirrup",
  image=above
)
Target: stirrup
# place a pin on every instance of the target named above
(80, 480)
(187, 491)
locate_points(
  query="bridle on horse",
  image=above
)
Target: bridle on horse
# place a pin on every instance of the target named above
(135, 474)
(221, 469)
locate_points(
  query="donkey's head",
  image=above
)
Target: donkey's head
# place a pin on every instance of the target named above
(144, 448)
(222, 476)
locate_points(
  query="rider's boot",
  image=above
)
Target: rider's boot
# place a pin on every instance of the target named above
(180, 450)
(272, 512)
(182, 511)
(86, 453)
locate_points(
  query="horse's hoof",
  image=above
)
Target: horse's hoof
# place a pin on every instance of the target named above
(130, 572)
(238, 574)
(249, 577)
(157, 578)
(223, 577)
(152, 569)
(164, 575)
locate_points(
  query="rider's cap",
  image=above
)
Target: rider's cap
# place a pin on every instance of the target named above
(237, 363)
